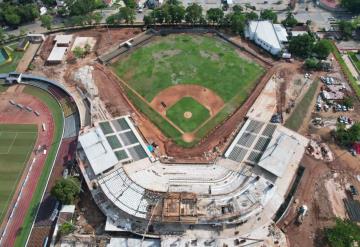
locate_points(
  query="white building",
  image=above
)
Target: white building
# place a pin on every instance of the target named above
(269, 36)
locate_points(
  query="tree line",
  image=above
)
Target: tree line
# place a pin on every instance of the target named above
(173, 12)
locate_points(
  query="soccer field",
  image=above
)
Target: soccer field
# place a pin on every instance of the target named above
(16, 144)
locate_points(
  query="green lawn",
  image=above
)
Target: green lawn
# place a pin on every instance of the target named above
(16, 144)
(188, 59)
(16, 57)
(57, 114)
(298, 115)
(187, 104)
(355, 60)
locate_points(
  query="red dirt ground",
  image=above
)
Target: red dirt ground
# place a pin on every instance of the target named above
(173, 94)
(15, 115)
(106, 38)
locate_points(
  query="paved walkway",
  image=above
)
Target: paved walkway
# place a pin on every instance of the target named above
(27, 58)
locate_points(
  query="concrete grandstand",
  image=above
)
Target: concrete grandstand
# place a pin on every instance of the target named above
(249, 182)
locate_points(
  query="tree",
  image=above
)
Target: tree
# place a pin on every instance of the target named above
(12, 19)
(346, 28)
(173, 2)
(346, 137)
(66, 190)
(130, 3)
(215, 15)
(28, 12)
(81, 7)
(351, 5)
(175, 13)
(290, 20)
(268, 14)
(113, 19)
(96, 17)
(149, 20)
(311, 64)
(252, 16)
(127, 14)
(348, 102)
(46, 21)
(66, 228)
(344, 234)
(2, 35)
(193, 13)
(237, 22)
(159, 15)
(238, 9)
(322, 49)
(302, 45)
(49, 2)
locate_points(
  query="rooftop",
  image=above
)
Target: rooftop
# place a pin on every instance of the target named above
(98, 150)
(283, 147)
(113, 142)
(57, 54)
(63, 39)
(272, 34)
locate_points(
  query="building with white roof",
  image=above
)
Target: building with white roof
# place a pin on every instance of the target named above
(57, 54)
(63, 40)
(269, 36)
(62, 43)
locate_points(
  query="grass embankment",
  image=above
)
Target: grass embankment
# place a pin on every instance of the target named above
(298, 115)
(16, 144)
(15, 56)
(346, 70)
(355, 60)
(57, 115)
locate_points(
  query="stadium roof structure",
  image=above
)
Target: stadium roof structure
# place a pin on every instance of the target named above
(112, 142)
(280, 151)
(269, 146)
(98, 151)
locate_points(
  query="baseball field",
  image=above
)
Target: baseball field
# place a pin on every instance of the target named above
(16, 144)
(187, 84)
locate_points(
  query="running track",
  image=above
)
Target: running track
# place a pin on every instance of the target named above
(15, 221)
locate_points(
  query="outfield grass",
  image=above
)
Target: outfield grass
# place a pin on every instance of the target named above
(188, 59)
(298, 115)
(16, 144)
(57, 115)
(187, 104)
(16, 57)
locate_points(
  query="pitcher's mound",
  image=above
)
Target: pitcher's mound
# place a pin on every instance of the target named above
(187, 114)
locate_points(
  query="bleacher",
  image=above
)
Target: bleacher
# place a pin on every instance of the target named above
(125, 194)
